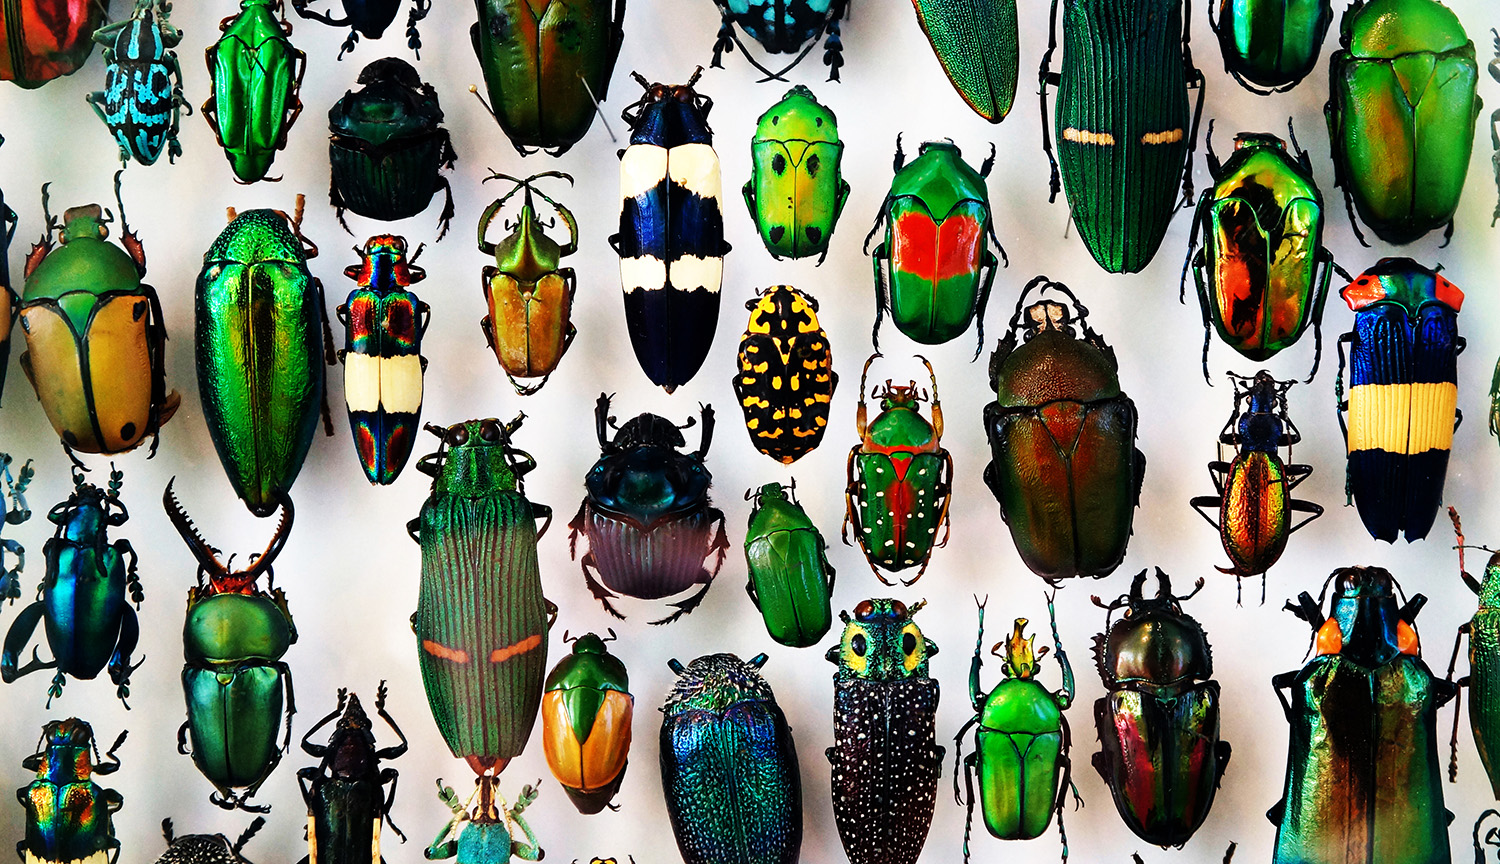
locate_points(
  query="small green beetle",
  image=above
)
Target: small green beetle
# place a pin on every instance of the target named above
(791, 581)
(796, 189)
(256, 74)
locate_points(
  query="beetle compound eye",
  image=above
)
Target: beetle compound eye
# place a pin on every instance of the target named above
(457, 436)
(864, 610)
(858, 645)
(489, 431)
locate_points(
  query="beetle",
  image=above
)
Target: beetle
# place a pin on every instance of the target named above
(528, 293)
(977, 42)
(1158, 722)
(782, 27)
(898, 478)
(1122, 111)
(256, 74)
(671, 239)
(586, 716)
(233, 639)
(260, 352)
(483, 835)
(1401, 113)
(933, 270)
(719, 717)
(546, 65)
(206, 848)
(141, 103)
(345, 791)
(796, 191)
(1367, 674)
(81, 601)
(369, 18)
(1483, 680)
(885, 757)
(95, 334)
(384, 323)
(790, 580)
(1063, 460)
(14, 513)
(1403, 394)
(646, 513)
(1254, 499)
(1269, 46)
(786, 380)
(386, 146)
(1022, 742)
(10, 301)
(69, 817)
(1261, 269)
(481, 620)
(46, 39)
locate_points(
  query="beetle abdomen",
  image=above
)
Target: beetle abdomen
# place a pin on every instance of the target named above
(530, 323)
(1484, 683)
(341, 830)
(653, 563)
(1254, 512)
(234, 721)
(387, 183)
(85, 596)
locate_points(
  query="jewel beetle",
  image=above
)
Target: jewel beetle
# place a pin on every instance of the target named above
(528, 292)
(1125, 138)
(142, 100)
(1063, 460)
(1158, 723)
(898, 478)
(1402, 411)
(671, 239)
(977, 42)
(1483, 680)
(82, 600)
(933, 270)
(782, 27)
(69, 817)
(482, 832)
(47, 39)
(796, 191)
(1401, 113)
(345, 793)
(13, 512)
(481, 620)
(786, 380)
(1254, 499)
(790, 581)
(885, 756)
(369, 18)
(206, 848)
(387, 148)
(233, 639)
(1351, 795)
(586, 716)
(1269, 46)
(646, 513)
(719, 717)
(256, 75)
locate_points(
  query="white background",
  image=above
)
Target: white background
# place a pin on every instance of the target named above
(351, 573)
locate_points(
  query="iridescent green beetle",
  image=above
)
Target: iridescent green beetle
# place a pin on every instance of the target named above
(978, 44)
(796, 189)
(1483, 679)
(256, 73)
(791, 581)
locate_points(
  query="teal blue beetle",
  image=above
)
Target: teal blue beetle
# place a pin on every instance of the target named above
(69, 817)
(483, 836)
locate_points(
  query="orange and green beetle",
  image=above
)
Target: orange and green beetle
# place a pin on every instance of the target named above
(586, 714)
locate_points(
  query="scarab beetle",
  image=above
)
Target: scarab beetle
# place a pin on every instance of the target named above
(386, 146)
(586, 715)
(719, 718)
(483, 834)
(1483, 679)
(885, 757)
(1403, 394)
(933, 270)
(791, 581)
(899, 479)
(786, 380)
(1269, 46)
(1158, 722)
(1254, 499)
(95, 335)
(69, 817)
(45, 39)
(782, 27)
(646, 514)
(82, 600)
(796, 189)
(13, 513)
(1063, 460)
(528, 293)
(345, 792)
(369, 18)
(978, 44)
(256, 74)
(206, 848)
(142, 100)
(671, 239)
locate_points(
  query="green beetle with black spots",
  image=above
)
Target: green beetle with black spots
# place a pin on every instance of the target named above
(586, 717)
(791, 581)
(796, 189)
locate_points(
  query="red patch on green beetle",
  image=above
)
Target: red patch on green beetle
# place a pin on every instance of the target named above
(937, 252)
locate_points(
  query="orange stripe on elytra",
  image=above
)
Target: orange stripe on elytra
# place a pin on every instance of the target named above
(443, 652)
(500, 655)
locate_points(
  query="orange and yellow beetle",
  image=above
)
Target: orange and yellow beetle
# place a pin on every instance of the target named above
(586, 714)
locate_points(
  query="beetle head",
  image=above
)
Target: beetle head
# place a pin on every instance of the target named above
(221, 578)
(1021, 658)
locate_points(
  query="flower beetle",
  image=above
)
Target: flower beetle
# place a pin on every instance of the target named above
(345, 792)
(142, 100)
(1269, 46)
(586, 715)
(82, 601)
(1254, 497)
(671, 239)
(796, 189)
(482, 835)
(369, 18)
(1022, 742)
(47, 39)
(14, 513)
(528, 293)
(791, 581)
(256, 74)
(1403, 394)
(206, 848)
(899, 479)
(885, 757)
(978, 44)
(1158, 722)
(95, 334)
(646, 514)
(786, 379)
(782, 27)
(1483, 679)
(933, 270)
(1063, 460)
(69, 817)
(1401, 114)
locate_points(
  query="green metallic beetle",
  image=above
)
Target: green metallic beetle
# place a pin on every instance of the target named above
(796, 189)
(1269, 46)
(978, 44)
(1483, 679)
(1401, 114)
(257, 75)
(791, 581)
(586, 716)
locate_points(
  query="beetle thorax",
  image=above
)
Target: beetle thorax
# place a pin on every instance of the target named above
(475, 470)
(84, 222)
(1489, 589)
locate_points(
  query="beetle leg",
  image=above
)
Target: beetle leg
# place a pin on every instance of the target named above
(969, 786)
(542, 511)
(182, 743)
(1201, 501)
(318, 751)
(445, 217)
(881, 252)
(20, 633)
(119, 665)
(389, 775)
(307, 779)
(600, 593)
